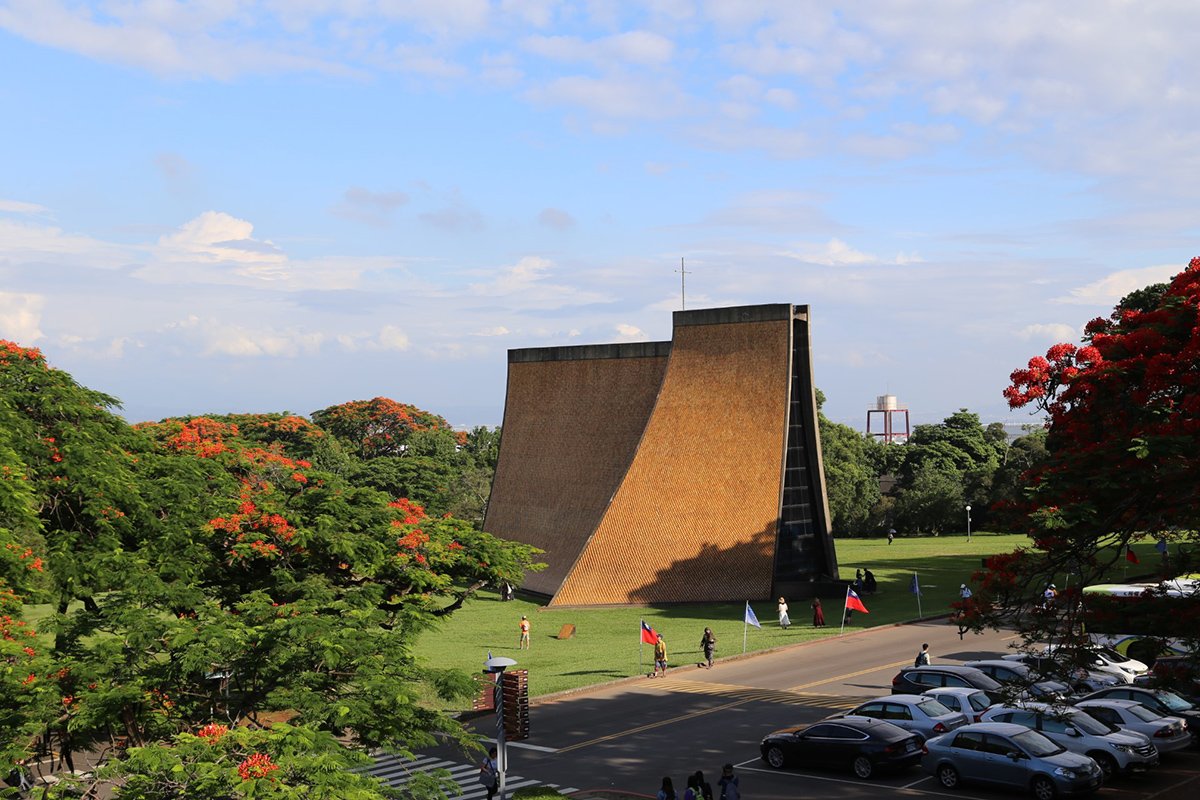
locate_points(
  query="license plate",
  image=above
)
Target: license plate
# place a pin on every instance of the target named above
(911, 746)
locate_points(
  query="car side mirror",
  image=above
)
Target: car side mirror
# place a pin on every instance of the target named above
(1014, 755)
(1071, 731)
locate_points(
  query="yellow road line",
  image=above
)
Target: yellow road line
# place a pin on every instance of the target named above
(836, 678)
(651, 726)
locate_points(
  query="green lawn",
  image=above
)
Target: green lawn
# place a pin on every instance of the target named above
(606, 642)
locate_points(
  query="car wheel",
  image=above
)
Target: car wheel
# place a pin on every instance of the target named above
(1108, 764)
(947, 776)
(774, 757)
(863, 767)
(1043, 788)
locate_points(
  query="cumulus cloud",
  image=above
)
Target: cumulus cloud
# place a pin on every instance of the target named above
(1111, 288)
(1049, 332)
(628, 333)
(21, 317)
(527, 285)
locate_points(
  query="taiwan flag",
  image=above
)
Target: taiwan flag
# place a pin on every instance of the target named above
(649, 636)
(855, 603)
(1130, 556)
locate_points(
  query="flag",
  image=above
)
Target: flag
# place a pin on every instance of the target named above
(649, 636)
(854, 603)
(914, 585)
(1130, 556)
(750, 619)
(1161, 546)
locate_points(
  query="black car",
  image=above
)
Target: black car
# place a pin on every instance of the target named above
(860, 743)
(914, 680)
(1164, 702)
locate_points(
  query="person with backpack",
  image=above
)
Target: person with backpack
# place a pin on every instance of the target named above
(692, 792)
(666, 791)
(922, 659)
(708, 643)
(489, 773)
(730, 788)
(705, 788)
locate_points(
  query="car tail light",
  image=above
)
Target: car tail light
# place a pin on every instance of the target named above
(1163, 733)
(924, 750)
(896, 680)
(979, 717)
(939, 728)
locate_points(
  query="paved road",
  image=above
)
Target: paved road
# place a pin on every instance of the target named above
(628, 735)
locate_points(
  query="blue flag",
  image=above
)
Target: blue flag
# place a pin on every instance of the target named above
(914, 585)
(1161, 546)
(750, 618)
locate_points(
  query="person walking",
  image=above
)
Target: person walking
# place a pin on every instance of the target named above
(489, 773)
(705, 787)
(523, 642)
(922, 659)
(708, 643)
(692, 792)
(784, 621)
(818, 613)
(660, 658)
(667, 791)
(964, 592)
(730, 785)
(891, 535)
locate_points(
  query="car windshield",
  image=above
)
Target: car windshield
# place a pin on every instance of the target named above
(1088, 724)
(932, 708)
(979, 701)
(1110, 655)
(1037, 744)
(1174, 701)
(1144, 714)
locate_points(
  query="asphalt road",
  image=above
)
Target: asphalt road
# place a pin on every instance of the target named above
(628, 735)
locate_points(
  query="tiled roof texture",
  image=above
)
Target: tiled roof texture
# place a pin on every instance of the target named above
(571, 428)
(695, 516)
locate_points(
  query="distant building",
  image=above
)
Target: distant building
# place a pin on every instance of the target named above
(677, 471)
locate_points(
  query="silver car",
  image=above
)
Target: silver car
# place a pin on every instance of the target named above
(912, 712)
(1167, 734)
(1008, 755)
(1081, 679)
(970, 702)
(1122, 752)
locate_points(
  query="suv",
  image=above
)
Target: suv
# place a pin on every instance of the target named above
(1120, 752)
(915, 680)
(1020, 676)
(1164, 702)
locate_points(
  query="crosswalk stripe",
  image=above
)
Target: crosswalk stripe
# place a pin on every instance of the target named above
(397, 772)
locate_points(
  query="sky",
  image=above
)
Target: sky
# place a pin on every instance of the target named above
(280, 205)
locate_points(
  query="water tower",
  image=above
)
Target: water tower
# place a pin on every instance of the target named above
(889, 407)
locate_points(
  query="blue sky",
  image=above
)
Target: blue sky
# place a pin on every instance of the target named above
(223, 206)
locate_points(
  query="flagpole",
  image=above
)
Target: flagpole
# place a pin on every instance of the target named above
(844, 609)
(745, 627)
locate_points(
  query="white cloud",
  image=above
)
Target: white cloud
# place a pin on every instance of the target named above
(1050, 332)
(629, 47)
(222, 338)
(629, 333)
(19, 207)
(1111, 288)
(499, 330)
(392, 338)
(215, 236)
(21, 317)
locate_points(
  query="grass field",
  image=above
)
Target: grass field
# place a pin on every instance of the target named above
(606, 641)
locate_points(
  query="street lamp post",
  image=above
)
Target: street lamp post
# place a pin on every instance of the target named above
(968, 523)
(498, 665)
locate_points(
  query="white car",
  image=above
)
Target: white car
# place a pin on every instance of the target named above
(1167, 734)
(964, 699)
(1110, 662)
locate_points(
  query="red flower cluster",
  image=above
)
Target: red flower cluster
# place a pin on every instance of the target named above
(34, 564)
(201, 436)
(257, 766)
(11, 351)
(212, 732)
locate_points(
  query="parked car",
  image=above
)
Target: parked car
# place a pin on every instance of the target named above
(1003, 754)
(1178, 674)
(968, 701)
(1116, 753)
(864, 745)
(1160, 700)
(1020, 676)
(914, 680)
(913, 712)
(1167, 734)
(1081, 679)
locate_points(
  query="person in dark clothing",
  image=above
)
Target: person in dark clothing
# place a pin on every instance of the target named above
(729, 783)
(667, 792)
(818, 613)
(706, 791)
(869, 582)
(708, 643)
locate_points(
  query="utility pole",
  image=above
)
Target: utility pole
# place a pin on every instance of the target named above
(683, 273)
